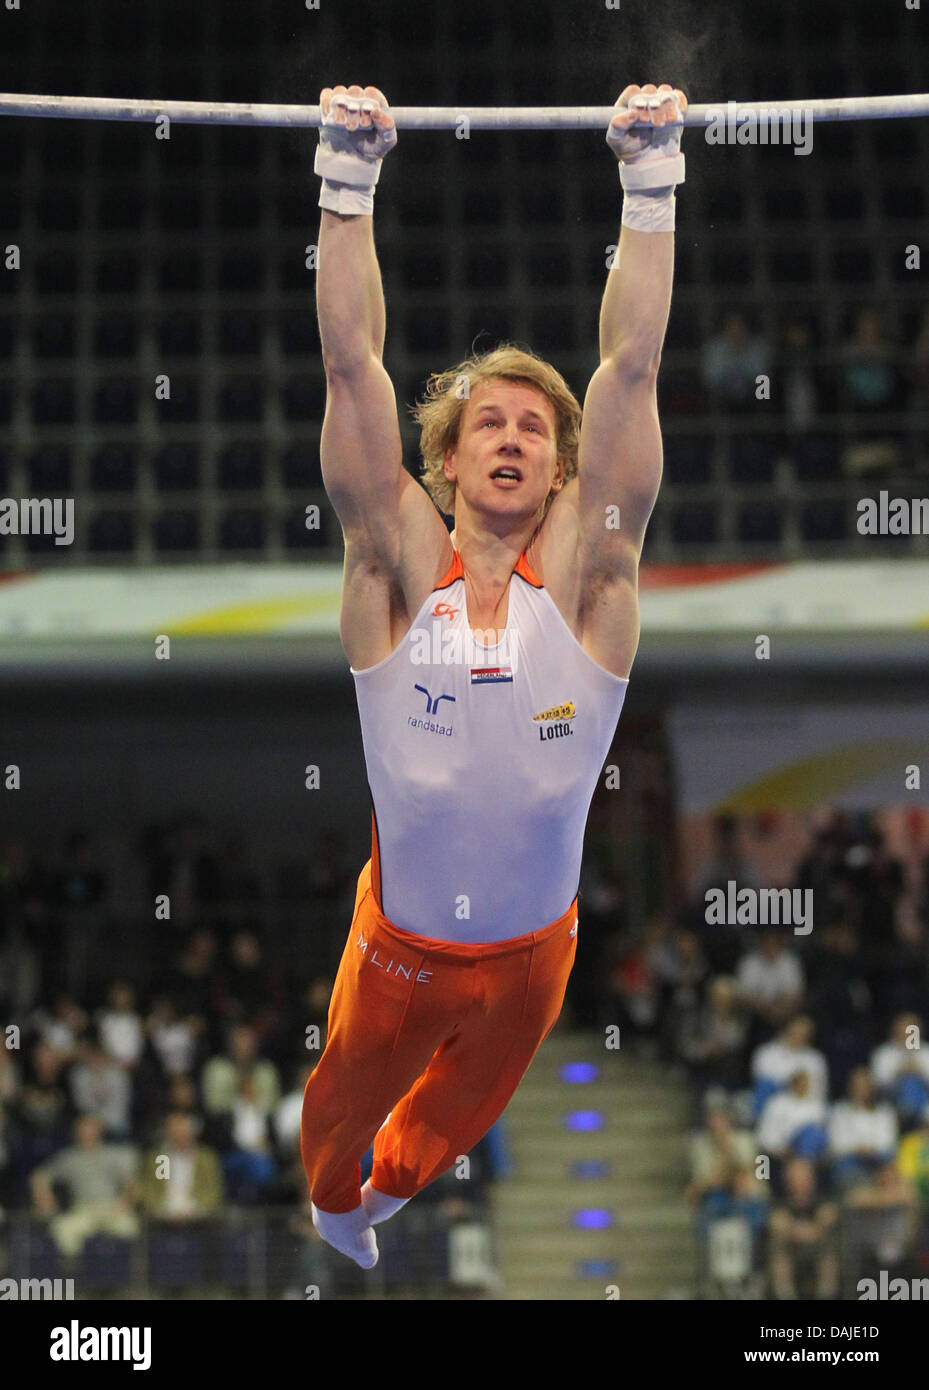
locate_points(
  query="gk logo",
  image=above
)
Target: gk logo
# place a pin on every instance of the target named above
(433, 705)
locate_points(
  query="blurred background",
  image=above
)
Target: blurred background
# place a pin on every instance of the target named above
(627, 1161)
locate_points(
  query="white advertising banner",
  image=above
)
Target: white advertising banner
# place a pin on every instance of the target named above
(759, 758)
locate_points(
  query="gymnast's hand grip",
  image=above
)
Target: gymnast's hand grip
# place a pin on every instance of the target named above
(647, 128)
(355, 133)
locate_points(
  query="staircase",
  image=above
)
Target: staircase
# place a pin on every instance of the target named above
(639, 1238)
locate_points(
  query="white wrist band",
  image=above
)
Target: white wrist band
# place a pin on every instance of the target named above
(348, 183)
(650, 212)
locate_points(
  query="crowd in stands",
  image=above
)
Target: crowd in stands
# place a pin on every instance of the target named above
(808, 1065)
(873, 371)
(169, 1090)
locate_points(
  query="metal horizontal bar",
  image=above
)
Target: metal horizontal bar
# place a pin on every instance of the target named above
(451, 117)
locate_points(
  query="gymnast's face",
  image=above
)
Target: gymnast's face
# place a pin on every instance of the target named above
(505, 460)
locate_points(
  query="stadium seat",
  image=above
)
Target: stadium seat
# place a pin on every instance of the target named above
(300, 467)
(112, 533)
(240, 335)
(752, 458)
(241, 467)
(176, 1258)
(116, 335)
(183, 406)
(113, 468)
(118, 274)
(242, 530)
(300, 335)
(817, 458)
(53, 336)
(553, 330)
(180, 335)
(687, 460)
(116, 401)
(298, 536)
(825, 520)
(760, 523)
(241, 399)
(176, 531)
(105, 1263)
(50, 470)
(53, 402)
(177, 468)
(695, 524)
(56, 273)
(305, 398)
(427, 330)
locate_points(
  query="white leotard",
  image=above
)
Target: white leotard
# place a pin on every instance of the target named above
(482, 761)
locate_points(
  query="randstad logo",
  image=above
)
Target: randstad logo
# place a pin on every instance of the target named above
(431, 726)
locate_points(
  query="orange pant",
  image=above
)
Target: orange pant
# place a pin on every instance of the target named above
(436, 1033)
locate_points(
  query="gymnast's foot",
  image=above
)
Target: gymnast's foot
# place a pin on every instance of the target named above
(377, 1205)
(349, 1232)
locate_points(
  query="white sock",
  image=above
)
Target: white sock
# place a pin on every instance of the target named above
(377, 1205)
(349, 1232)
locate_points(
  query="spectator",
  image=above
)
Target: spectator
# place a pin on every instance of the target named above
(62, 1027)
(771, 984)
(881, 1225)
(250, 1165)
(120, 1026)
(189, 1188)
(251, 991)
(794, 1122)
(775, 1062)
(713, 1040)
(100, 1183)
(9, 1071)
(717, 1155)
(80, 883)
(727, 864)
(222, 1081)
(100, 1086)
(175, 1040)
(862, 1133)
(870, 379)
(732, 362)
(804, 1256)
(190, 982)
(40, 1114)
(840, 997)
(678, 968)
(900, 1069)
(286, 1128)
(913, 1162)
(870, 383)
(800, 384)
(182, 867)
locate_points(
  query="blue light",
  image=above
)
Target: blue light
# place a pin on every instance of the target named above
(593, 1219)
(590, 1168)
(597, 1269)
(583, 1120)
(577, 1073)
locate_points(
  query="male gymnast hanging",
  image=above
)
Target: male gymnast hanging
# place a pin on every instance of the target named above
(490, 666)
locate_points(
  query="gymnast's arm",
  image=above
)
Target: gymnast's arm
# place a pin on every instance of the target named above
(393, 534)
(596, 525)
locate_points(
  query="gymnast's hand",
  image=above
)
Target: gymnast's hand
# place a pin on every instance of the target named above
(659, 108)
(356, 121)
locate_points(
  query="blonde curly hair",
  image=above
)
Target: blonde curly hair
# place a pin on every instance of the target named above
(440, 412)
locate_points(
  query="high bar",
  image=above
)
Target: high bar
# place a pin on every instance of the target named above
(451, 117)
